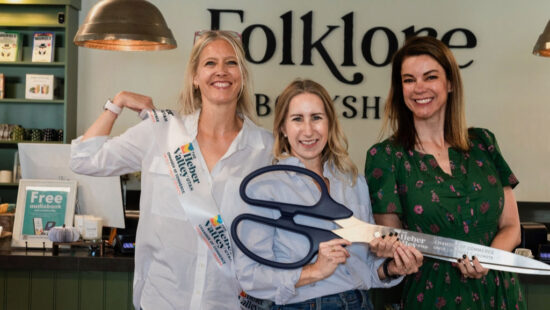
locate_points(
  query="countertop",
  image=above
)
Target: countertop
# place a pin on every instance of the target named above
(76, 259)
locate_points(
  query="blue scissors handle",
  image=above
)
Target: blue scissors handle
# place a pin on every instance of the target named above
(325, 208)
(314, 236)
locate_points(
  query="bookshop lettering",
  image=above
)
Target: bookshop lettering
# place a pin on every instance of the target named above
(365, 106)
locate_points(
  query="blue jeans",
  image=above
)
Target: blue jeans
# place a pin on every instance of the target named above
(348, 300)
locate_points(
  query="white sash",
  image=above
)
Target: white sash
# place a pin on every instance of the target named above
(193, 184)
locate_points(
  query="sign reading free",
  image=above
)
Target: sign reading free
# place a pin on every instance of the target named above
(39, 197)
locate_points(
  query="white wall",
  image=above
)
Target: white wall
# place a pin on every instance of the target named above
(505, 86)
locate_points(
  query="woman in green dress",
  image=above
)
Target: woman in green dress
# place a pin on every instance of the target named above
(436, 176)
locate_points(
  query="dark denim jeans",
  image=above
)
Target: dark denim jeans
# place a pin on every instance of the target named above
(348, 300)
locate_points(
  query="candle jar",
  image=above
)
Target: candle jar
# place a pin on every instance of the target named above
(92, 228)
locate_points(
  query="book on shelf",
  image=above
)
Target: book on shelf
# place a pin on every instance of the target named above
(10, 46)
(2, 86)
(40, 86)
(43, 46)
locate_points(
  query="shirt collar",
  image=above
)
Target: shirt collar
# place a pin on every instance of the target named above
(191, 123)
(328, 172)
(251, 135)
(291, 160)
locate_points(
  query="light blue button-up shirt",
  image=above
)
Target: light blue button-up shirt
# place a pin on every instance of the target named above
(278, 285)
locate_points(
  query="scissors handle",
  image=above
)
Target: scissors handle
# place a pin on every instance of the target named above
(325, 208)
(314, 236)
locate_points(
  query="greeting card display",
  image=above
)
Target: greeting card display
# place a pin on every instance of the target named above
(40, 86)
(43, 46)
(10, 45)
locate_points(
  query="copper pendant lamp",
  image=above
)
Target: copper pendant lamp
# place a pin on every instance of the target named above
(542, 47)
(125, 25)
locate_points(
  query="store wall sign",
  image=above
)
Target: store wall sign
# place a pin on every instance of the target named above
(334, 56)
(311, 44)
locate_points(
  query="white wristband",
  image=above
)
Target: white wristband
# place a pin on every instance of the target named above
(109, 105)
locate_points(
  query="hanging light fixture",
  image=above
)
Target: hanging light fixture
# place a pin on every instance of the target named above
(542, 47)
(125, 25)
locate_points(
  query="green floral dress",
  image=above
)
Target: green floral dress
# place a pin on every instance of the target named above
(465, 205)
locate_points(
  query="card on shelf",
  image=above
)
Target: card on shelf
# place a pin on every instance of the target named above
(43, 47)
(40, 86)
(10, 46)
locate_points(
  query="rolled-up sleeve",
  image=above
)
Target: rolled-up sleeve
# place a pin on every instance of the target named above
(103, 156)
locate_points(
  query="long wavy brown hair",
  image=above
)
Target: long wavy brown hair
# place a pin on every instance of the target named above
(399, 119)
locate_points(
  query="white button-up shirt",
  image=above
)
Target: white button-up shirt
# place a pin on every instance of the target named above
(173, 266)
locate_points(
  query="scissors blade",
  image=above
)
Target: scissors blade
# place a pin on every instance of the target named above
(532, 269)
(443, 248)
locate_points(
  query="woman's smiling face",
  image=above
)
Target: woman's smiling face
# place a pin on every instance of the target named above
(306, 128)
(218, 74)
(425, 87)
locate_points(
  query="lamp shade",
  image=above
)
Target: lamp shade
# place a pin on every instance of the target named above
(542, 47)
(125, 25)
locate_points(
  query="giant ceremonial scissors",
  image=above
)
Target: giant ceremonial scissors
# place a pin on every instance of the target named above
(356, 230)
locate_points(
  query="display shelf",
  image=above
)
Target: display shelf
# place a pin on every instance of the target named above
(35, 13)
(30, 63)
(9, 184)
(27, 17)
(13, 144)
(19, 100)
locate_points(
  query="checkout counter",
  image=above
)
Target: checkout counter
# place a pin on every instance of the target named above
(74, 279)
(535, 218)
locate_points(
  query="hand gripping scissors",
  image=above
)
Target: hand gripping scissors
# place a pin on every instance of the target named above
(356, 230)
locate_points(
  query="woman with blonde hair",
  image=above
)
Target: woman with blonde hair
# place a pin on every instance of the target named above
(336, 150)
(187, 161)
(307, 134)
